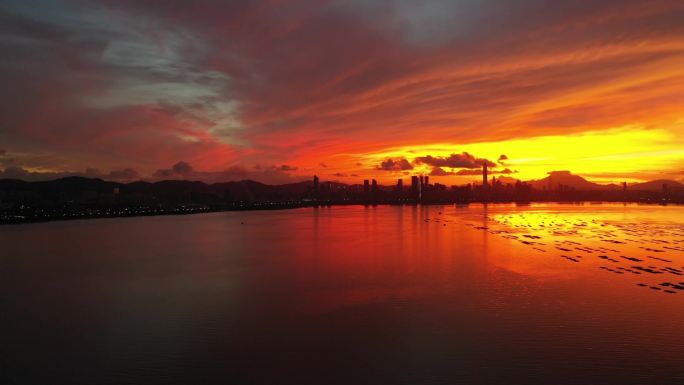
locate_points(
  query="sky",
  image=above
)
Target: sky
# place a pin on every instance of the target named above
(278, 91)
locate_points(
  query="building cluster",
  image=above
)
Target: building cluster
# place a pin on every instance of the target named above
(492, 189)
(419, 191)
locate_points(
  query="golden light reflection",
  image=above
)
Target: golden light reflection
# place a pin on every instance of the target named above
(641, 245)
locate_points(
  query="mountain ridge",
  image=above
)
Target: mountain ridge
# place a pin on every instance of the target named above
(554, 181)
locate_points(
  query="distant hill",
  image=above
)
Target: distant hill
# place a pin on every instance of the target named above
(249, 190)
(566, 178)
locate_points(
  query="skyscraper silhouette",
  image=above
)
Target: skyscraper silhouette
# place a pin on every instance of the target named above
(414, 184)
(484, 174)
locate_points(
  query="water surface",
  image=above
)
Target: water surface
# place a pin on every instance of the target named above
(562, 294)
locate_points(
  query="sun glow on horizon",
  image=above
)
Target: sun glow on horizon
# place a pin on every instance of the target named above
(630, 153)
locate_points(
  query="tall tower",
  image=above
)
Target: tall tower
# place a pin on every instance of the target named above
(400, 185)
(366, 186)
(414, 184)
(315, 183)
(374, 186)
(484, 174)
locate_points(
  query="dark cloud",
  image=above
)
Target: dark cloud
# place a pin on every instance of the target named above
(268, 175)
(438, 171)
(265, 174)
(323, 165)
(127, 174)
(501, 159)
(400, 164)
(182, 168)
(163, 173)
(463, 160)
(17, 172)
(468, 172)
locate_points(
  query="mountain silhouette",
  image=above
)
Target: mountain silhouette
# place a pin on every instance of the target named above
(568, 180)
(249, 190)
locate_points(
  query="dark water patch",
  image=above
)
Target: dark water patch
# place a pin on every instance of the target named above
(659, 259)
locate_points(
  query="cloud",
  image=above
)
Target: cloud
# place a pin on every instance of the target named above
(438, 171)
(268, 175)
(179, 170)
(501, 159)
(463, 160)
(214, 82)
(323, 165)
(127, 174)
(395, 165)
(163, 173)
(265, 174)
(182, 168)
(468, 172)
(18, 172)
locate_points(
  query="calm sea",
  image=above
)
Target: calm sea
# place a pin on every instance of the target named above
(504, 294)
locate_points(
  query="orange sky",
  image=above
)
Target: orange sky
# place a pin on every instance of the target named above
(279, 90)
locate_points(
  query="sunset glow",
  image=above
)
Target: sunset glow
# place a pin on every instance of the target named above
(278, 91)
(342, 192)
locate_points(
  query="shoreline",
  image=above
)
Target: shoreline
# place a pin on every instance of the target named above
(9, 219)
